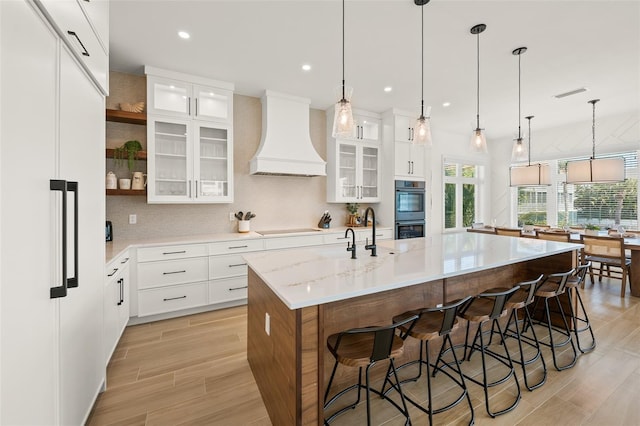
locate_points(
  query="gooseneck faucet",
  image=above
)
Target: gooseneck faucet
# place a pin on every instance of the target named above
(351, 246)
(371, 246)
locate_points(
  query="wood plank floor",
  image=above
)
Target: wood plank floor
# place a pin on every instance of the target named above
(193, 371)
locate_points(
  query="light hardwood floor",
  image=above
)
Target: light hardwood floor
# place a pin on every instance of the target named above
(193, 370)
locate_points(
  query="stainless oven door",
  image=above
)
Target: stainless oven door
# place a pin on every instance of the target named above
(410, 229)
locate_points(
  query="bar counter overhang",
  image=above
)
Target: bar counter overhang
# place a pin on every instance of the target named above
(314, 292)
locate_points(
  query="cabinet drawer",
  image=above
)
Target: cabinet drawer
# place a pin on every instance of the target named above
(362, 235)
(240, 246)
(171, 252)
(287, 242)
(232, 265)
(227, 289)
(159, 274)
(174, 298)
(336, 238)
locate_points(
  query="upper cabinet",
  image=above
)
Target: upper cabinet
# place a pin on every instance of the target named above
(409, 157)
(189, 138)
(353, 163)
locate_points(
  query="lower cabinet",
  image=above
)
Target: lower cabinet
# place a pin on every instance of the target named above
(172, 298)
(116, 302)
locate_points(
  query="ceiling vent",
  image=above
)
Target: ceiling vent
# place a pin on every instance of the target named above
(570, 93)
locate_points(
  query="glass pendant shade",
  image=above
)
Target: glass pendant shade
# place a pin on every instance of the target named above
(423, 131)
(520, 151)
(478, 142)
(535, 174)
(343, 119)
(600, 170)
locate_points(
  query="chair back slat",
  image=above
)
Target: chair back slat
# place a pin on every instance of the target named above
(530, 287)
(561, 279)
(553, 236)
(510, 232)
(499, 300)
(450, 313)
(609, 247)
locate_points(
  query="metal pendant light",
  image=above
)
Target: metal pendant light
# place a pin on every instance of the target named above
(601, 170)
(478, 140)
(423, 124)
(537, 174)
(343, 117)
(519, 152)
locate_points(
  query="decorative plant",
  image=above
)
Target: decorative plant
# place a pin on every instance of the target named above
(244, 216)
(353, 208)
(592, 227)
(128, 150)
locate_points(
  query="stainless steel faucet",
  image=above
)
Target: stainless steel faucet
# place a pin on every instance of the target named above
(371, 246)
(351, 246)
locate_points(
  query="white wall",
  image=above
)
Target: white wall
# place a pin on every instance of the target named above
(614, 134)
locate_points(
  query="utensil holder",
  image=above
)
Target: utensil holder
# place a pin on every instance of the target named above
(244, 226)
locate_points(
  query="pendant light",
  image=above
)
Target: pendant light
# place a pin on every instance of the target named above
(478, 140)
(537, 174)
(601, 170)
(343, 118)
(423, 124)
(519, 152)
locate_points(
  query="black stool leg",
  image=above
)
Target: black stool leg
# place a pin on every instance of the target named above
(585, 320)
(569, 340)
(531, 341)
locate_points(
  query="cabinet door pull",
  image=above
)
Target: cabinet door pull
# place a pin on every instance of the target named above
(174, 298)
(189, 189)
(233, 265)
(121, 282)
(238, 288)
(85, 52)
(196, 107)
(412, 167)
(174, 272)
(189, 105)
(127, 259)
(174, 252)
(73, 281)
(409, 166)
(113, 273)
(237, 247)
(61, 290)
(196, 189)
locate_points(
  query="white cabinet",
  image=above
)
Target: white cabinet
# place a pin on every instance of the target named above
(366, 126)
(409, 161)
(409, 158)
(189, 139)
(116, 302)
(228, 270)
(52, 350)
(189, 161)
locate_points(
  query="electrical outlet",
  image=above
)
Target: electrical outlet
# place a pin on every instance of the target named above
(133, 219)
(232, 216)
(267, 323)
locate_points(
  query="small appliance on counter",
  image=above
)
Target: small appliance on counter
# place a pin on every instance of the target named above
(109, 231)
(325, 220)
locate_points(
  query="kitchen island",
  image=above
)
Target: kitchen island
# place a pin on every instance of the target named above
(297, 298)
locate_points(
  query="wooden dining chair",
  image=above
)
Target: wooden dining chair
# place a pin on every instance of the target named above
(541, 227)
(510, 232)
(553, 236)
(607, 252)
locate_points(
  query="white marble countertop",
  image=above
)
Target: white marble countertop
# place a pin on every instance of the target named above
(115, 248)
(316, 275)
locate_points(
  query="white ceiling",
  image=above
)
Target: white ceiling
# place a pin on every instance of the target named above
(262, 44)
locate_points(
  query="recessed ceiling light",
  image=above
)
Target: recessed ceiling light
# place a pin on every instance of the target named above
(306, 67)
(446, 104)
(388, 89)
(183, 34)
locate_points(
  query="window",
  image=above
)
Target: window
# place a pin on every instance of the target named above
(461, 182)
(532, 205)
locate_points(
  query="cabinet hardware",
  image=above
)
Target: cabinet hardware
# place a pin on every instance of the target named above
(174, 272)
(121, 282)
(196, 107)
(174, 298)
(237, 264)
(189, 105)
(113, 273)
(409, 166)
(61, 290)
(175, 252)
(237, 247)
(73, 281)
(85, 51)
(127, 259)
(238, 288)
(196, 187)
(189, 188)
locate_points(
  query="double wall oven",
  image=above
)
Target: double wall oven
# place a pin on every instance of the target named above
(410, 209)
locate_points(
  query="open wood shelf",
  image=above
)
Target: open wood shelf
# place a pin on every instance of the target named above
(127, 192)
(142, 155)
(126, 117)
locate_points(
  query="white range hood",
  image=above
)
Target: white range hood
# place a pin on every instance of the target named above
(285, 147)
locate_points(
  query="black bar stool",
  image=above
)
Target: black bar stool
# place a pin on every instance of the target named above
(431, 324)
(552, 288)
(580, 314)
(489, 307)
(364, 347)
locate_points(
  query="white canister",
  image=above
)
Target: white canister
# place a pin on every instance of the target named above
(111, 181)
(243, 226)
(125, 183)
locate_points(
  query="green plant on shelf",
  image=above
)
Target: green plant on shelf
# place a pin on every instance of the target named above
(352, 208)
(128, 150)
(592, 227)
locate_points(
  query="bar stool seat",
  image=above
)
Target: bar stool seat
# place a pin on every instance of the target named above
(363, 348)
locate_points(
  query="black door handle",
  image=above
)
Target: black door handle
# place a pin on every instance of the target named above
(121, 283)
(85, 51)
(73, 281)
(61, 290)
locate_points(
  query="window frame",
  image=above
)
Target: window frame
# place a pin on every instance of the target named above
(459, 182)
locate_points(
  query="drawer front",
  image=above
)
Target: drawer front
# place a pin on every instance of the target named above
(171, 252)
(174, 298)
(336, 238)
(241, 246)
(228, 289)
(159, 274)
(232, 265)
(362, 235)
(287, 242)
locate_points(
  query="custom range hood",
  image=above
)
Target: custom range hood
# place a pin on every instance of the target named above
(285, 148)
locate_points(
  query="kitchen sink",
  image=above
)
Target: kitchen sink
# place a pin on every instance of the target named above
(288, 231)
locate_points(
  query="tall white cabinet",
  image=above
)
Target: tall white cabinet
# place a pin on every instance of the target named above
(51, 137)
